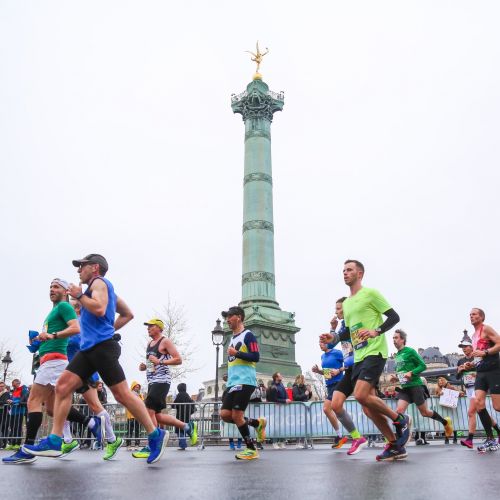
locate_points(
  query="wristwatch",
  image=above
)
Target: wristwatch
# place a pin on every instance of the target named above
(379, 330)
(55, 335)
(486, 352)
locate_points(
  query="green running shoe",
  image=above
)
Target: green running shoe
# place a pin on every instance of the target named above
(68, 448)
(260, 431)
(112, 448)
(144, 453)
(193, 433)
(247, 454)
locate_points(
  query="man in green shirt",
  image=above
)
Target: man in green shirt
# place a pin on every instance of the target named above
(409, 365)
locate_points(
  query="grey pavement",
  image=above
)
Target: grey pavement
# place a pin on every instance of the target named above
(430, 472)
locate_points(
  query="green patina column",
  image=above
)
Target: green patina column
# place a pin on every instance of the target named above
(274, 328)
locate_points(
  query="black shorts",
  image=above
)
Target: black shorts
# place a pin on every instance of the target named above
(488, 381)
(86, 386)
(368, 370)
(237, 397)
(102, 358)
(346, 385)
(415, 394)
(157, 396)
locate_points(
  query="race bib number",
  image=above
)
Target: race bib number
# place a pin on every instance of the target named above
(357, 343)
(236, 388)
(402, 379)
(469, 379)
(150, 367)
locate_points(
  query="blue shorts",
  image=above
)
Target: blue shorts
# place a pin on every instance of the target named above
(329, 391)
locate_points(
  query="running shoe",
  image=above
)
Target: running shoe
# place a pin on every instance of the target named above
(357, 445)
(157, 446)
(260, 431)
(12, 447)
(403, 429)
(45, 448)
(247, 454)
(488, 445)
(193, 433)
(19, 458)
(144, 453)
(231, 446)
(276, 446)
(467, 442)
(392, 452)
(68, 448)
(112, 448)
(339, 442)
(98, 431)
(448, 428)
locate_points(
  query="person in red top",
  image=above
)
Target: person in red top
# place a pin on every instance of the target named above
(486, 344)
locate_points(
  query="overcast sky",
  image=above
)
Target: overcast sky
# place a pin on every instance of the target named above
(117, 137)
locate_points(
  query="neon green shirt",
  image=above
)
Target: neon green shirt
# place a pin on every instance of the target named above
(363, 311)
(57, 320)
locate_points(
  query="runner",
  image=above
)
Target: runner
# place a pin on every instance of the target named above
(332, 369)
(409, 364)
(160, 354)
(100, 351)
(486, 344)
(363, 319)
(89, 393)
(345, 387)
(242, 355)
(60, 324)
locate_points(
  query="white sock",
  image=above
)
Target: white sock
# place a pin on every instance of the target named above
(110, 435)
(91, 423)
(67, 436)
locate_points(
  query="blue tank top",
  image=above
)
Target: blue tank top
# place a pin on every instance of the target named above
(97, 329)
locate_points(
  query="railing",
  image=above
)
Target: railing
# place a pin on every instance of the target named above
(297, 421)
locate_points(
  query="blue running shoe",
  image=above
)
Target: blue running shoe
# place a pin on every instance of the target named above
(45, 448)
(19, 458)
(403, 429)
(157, 446)
(392, 452)
(98, 431)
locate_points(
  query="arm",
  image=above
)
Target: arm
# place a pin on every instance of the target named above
(392, 319)
(253, 354)
(420, 364)
(72, 329)
(124, 314)
(167, 347)
(96, 304)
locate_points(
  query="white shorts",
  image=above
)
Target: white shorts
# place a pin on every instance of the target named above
(49, 372)
(470, 392)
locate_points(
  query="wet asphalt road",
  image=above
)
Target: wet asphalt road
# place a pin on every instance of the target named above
(430, 472)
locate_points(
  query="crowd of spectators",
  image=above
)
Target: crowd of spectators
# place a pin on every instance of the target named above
(13, 399)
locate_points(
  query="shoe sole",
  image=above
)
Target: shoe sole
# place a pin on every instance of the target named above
(46, 453)
(392, 459)
(136, 456)
(246, 458)
(467, 446)
(339, 445)
(77, 447)
(162, 449)
(358, 449)
(116, 451)
(23, 461)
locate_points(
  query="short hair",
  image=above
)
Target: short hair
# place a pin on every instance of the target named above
(339, 301)
(275, 374)
(357, 263)
(481, 312)
(402, 334)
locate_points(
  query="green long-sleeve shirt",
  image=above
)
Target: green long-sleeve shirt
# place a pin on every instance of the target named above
(408, 360)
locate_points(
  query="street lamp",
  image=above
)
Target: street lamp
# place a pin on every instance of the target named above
(217, 341)
(6, 361)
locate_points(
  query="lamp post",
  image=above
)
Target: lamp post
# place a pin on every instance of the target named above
(6, 361)
(217, 340)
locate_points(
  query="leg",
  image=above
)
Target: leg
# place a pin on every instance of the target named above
(471, 414)
(330, 415)
(67, 383)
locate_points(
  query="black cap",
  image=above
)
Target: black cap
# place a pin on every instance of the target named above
(234, 310)
(93, 258)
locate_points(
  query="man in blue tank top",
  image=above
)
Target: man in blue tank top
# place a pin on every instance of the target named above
(99, 352)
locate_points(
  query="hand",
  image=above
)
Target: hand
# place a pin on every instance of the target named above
(334, 322)
(231, 351)
(326, 338)
(154, 359)
(334, 372)
(306, 393)
(461, 368)
(74, 290)
(44, 336)
(468, 366)
(288, 401)
(315, 369)
(478, 354)
(367, 334)
(408, 375)
(142, 367)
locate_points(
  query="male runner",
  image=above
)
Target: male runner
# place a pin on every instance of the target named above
(486, 344)
(242, 355)
(99, 352)
(345, 387)
(60, 324)
(161, 353)
(363, 319)
(332, 369)
(409, 364)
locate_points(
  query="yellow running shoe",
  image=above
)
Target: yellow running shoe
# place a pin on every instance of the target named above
(247, 454)
(260, 431)
(448, 428)
(144, 453)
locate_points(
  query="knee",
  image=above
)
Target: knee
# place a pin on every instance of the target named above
(361, 398)
(63, 389)
(226, 416)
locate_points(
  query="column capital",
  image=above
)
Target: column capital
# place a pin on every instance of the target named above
(257, 101)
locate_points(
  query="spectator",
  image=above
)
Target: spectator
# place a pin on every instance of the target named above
(277, 394)
(184, 410)
(133, 426)
(444, 384)
(18, 400)
(101, 393)
(299, 389)
(4, 414)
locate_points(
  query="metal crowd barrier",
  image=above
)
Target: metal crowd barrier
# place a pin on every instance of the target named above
(293, 421)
